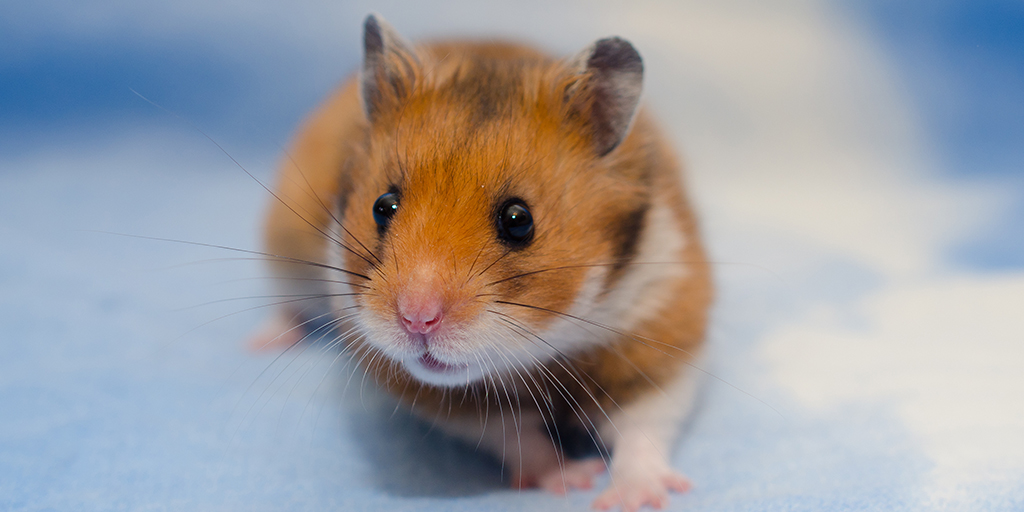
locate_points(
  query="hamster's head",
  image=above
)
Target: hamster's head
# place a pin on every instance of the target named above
(497, 198)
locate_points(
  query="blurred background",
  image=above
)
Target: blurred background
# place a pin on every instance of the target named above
(858, 168)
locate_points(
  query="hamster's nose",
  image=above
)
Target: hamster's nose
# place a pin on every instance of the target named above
(420, 316)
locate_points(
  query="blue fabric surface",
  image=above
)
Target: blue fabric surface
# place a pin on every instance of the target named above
(856, 364)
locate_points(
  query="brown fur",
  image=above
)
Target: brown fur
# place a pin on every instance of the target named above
(469, 124)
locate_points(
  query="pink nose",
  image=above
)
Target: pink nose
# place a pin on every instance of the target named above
(421, 318)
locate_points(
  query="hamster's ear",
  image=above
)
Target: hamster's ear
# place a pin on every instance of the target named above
(389, 67)
(610, 76)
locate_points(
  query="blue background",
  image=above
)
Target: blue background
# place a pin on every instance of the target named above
(119, 393)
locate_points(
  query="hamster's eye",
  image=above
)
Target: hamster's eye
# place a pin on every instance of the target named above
(515, 224)
(384, 208)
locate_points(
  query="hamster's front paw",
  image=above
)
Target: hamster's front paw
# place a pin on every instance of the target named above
(634, 489)
(278, 333)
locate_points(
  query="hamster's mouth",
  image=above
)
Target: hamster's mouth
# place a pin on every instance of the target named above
(430, 363)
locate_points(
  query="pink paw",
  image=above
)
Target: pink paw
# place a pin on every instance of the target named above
(574, 474)
(635, 491)
(276, 334)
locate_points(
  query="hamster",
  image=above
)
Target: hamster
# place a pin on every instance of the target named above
(503, 241)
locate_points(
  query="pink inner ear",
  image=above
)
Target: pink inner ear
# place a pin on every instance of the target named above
(613, 88)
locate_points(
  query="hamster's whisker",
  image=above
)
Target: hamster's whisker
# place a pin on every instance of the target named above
(394, 260)
(626, 359)
(469, 273)
(577, 409)
(288, 278)
(519, 324)
(559, 456)
(640, 339)
(593, 265)
(486, 405)
(346, 347)
(574, 372)
(351, 347)
(501, 409)
(319, 229)
(398, 403)
(552, 426)
(369, 367)
(273, 257)
(517, 424)
(246, 171)
(637, 338)
(309, 365)
(298, 297)
(312, 194)
(621, 356)
(437, 415)
(300, 325)
(485, 400)
(262, 259)
(559, 385)
(304, 367)
(323, 330)
(368, 349)
(574, 405)
(253, 308)
(271, 365)
(488, 267)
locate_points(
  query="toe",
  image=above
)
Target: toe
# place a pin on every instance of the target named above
(276, 334)
(678, 483)
(606, 500)
(634, 494)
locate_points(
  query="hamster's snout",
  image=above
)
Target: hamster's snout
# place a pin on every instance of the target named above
(421, 323)
(429, 323)
(420, 313)
(420, 303)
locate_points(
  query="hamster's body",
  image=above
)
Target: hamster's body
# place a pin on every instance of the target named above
(410, 185)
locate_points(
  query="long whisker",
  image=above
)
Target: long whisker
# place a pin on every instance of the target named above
(617, 352)
(488, 267)
(299, 297)
(577, 409)
(342, 352)
(552, 426)
(288, 278)
(327, 328)
(337, 341)
(567, 395)
(254, 178)
(626, 263)
(638, 338)
(574, 405)
(276, 257)
(310, 192)
(511, 410)
(233, 313)
(272, 363)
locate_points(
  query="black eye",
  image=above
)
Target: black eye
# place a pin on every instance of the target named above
(384, 208)
(515, 224)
